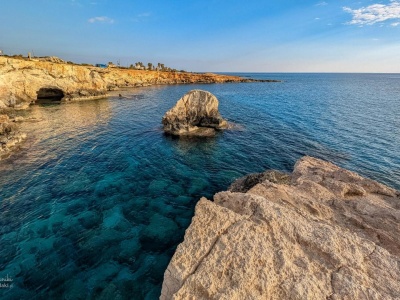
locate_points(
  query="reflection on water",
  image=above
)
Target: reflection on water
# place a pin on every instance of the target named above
(53, 129)
(73, 116)
(97, 199)
(187, 145)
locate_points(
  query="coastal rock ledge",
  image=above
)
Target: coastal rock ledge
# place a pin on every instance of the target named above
(195, 114)
(321, 232)
(10, 135)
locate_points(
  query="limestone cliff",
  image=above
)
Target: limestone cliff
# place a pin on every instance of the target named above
(23, 81)
(321, 232)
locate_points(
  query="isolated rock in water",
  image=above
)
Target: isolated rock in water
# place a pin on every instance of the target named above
(194, 114)
(321, 233)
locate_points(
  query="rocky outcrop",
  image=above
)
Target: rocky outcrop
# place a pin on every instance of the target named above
(53, 59)
(321, 232)
(195, 114)
(10, 135)
(21, 80)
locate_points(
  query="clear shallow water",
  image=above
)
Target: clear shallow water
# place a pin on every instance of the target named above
(95, 202)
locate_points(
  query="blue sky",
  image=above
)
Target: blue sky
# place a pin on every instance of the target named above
(210, 35)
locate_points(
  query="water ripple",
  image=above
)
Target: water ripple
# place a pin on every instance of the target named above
(97, 199)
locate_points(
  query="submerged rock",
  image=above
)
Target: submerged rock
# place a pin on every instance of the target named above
(321, 232)
(195, 114)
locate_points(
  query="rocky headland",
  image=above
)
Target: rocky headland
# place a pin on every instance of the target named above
(321, 232)
(24, 81)
(195, 114)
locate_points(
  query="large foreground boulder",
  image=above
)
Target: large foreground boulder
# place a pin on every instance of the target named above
(195, 114)
(322, 233)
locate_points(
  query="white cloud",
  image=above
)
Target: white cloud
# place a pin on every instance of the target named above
(322, 3)
(374, 13)
(395, 24)
(101, 20)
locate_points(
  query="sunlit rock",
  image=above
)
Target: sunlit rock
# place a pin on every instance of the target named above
(321, 232)
(195, 114)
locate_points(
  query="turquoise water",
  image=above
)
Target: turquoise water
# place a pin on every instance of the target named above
(95, 202)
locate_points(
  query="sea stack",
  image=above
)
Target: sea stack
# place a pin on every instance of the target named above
(321, 232)
(195, 114)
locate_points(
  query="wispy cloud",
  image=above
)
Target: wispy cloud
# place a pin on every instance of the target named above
(322, 3)
(395, 24)
(141, 17)
(374, 13)
(101, 20)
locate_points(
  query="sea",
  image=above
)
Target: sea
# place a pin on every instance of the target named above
(94, 203)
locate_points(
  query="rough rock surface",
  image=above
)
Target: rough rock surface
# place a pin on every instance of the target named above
(195, 114)
(9, 134)
(243, 184)
(22, 79)
(53, 59)
(326, 233)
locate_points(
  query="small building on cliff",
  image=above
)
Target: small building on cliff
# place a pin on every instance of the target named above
(101, 66)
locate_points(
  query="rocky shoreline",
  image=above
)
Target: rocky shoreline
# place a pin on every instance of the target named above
(25, 81)
(10, 135)
(322, 232)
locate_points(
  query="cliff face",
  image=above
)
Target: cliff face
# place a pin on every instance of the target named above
(22, 81)
(321, 232)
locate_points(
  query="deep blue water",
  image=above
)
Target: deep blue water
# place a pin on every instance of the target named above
(96, 201)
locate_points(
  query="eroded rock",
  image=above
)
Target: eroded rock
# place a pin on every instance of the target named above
(245, 183)
(195, 114)
(10, 135)
(320, 233)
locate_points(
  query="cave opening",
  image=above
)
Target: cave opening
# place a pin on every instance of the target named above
(49, 95)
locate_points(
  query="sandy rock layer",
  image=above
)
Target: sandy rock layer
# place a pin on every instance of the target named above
(321, 232)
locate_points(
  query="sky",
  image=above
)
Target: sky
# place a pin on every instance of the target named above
(209, 35)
